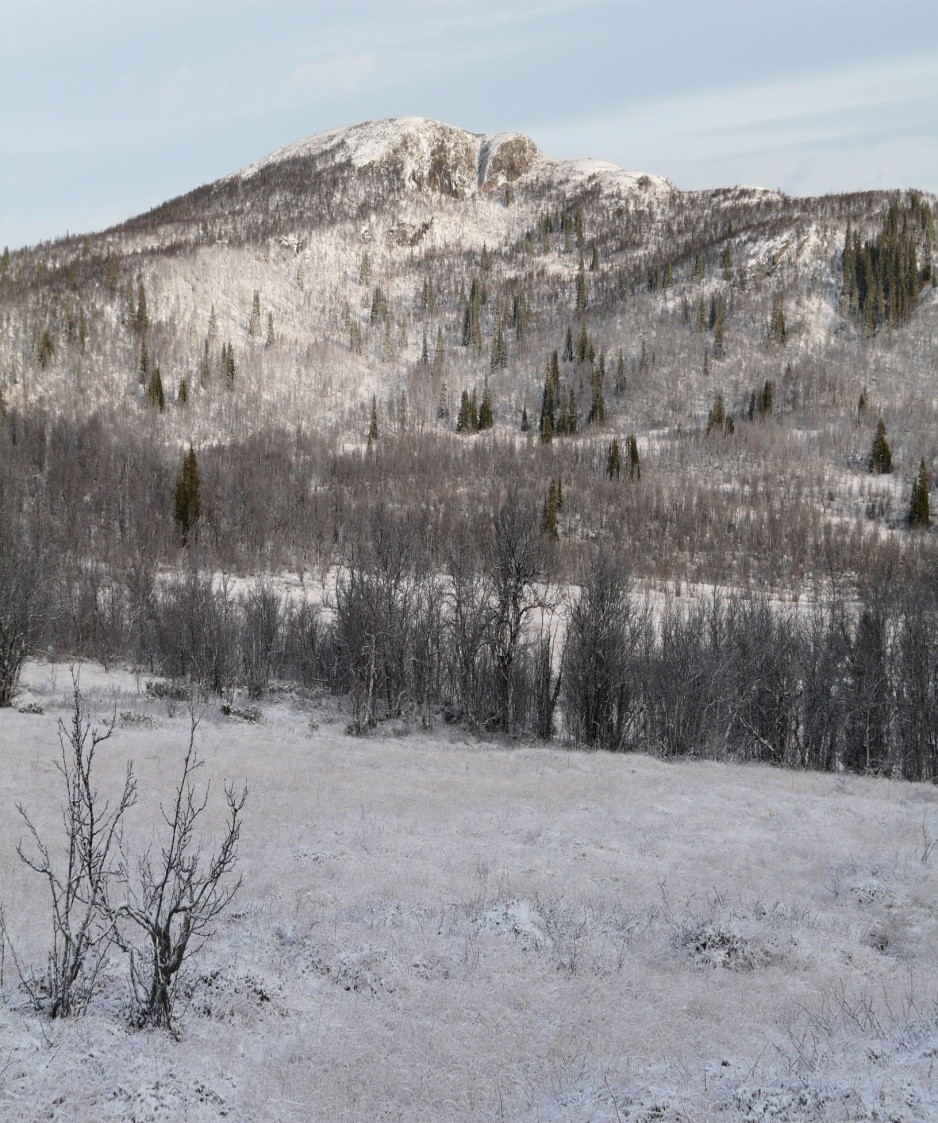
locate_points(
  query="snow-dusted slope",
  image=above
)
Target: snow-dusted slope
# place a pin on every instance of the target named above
(435, 930)
(427, 153)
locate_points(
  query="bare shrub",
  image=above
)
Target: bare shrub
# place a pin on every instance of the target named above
(78, 875)
(606, 637)
(261, 633)
(197, 624)
(174, 897)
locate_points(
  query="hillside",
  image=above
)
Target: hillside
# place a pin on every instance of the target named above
(424, 358)
(362, 245)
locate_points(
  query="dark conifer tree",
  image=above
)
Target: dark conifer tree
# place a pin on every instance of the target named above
(614, 460)
(373, 425)
(187, 501)
(155, 395)
(635, 465)
(919, 506)
(486, 414)
(880, 460)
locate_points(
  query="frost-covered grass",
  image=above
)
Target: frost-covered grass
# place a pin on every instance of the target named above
(433, 928)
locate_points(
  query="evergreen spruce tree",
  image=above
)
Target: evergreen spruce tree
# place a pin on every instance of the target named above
(380, 310)
(143, 362)
(44, 349)
(155, 395)
(373, 427)
(82, 329)
(5, 260)
(568, 347)
(698, 267)
(635, 465)
(719, 325)
(919, 508)
(424, 351)
(581, 289)
(141, 318)
(355, 343)
(614, 460)
(229, 366)
(182, 394)
(212, 326)
(525, 424)
(439, 354)
(727, 262)
(486, 415)
(597, 414)
(562, 426)
(880, 461)
(777, 330)
(254, 325)
(548, 407)
(187, 502)
(700, 324)
(364, 272)
(716, 418)
(594, 261)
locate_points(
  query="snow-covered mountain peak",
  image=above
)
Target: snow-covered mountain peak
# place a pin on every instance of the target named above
(423, 153)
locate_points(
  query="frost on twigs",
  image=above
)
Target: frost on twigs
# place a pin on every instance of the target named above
(78, 875)
(173, 897)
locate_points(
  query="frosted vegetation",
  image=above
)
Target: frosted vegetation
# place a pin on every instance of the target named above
(416, 463)
(434, 928)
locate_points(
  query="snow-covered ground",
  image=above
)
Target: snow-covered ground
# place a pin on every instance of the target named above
(432, 928)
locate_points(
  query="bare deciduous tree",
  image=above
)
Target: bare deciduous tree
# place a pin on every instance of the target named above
(79, 880)
(517, 566)
(24, 595)
(606, 636)
(174, 898)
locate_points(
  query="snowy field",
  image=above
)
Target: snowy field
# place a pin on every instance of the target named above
(435, 929)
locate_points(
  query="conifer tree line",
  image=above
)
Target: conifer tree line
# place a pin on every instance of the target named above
(882, 276)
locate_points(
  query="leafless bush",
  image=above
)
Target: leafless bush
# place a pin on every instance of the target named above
(174, 897)
(378, 603)
(606, 639)
(308, 647)
(78, 879)
(261, 631)
(197, 625)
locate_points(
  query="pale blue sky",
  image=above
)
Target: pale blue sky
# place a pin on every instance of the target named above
(108, 107)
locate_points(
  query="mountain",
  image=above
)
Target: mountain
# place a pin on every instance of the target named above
(418, 266)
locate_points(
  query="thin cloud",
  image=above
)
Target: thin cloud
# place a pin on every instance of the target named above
(843, 107)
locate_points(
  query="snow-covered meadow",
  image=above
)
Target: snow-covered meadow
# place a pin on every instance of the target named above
(434, 928)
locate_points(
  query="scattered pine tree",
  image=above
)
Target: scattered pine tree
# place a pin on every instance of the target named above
(880, 460)
(187, 503)
(919, 507)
